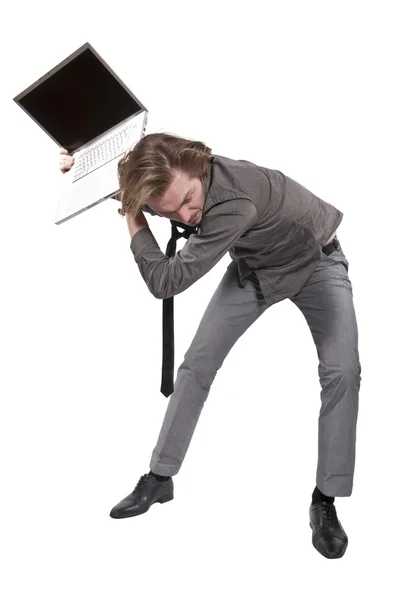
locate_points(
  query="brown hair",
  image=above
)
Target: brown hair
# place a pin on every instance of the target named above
(146, 171)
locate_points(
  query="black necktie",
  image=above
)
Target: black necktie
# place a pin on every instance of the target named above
(167, 384)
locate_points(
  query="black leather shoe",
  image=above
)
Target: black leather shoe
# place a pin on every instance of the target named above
(147, 491)
(328, 536)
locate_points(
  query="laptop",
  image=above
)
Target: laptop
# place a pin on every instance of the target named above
(84, 107)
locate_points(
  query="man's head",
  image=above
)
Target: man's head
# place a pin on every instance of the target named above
(165, 172)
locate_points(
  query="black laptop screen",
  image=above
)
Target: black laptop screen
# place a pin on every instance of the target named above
(79, 102)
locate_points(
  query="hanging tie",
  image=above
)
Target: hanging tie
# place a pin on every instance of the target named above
(167, 383)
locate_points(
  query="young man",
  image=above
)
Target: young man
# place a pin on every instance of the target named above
(283, 244)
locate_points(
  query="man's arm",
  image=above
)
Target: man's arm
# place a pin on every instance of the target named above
(222, 225)
(136, 223)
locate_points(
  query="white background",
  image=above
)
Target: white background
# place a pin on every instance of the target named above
(309, 88)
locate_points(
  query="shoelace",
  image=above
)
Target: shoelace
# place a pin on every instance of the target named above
(327, 512)
(140, 483)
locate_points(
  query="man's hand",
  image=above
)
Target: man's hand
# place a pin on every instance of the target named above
(137, 223)
(66, 161)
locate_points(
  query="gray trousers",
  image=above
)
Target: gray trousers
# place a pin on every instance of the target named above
(327, 304)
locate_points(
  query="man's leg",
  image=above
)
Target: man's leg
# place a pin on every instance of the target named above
(231, 311)
(326, 302)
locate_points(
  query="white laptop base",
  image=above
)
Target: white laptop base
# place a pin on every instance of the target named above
(78, 195)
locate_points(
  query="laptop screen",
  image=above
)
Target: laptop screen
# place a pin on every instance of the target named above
(78, 101)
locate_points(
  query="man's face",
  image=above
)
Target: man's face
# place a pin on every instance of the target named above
(183, 200)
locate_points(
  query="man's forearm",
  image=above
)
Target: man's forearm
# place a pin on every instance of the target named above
(135, 224)
(132, 228)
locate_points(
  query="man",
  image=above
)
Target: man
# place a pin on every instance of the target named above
(283, 244)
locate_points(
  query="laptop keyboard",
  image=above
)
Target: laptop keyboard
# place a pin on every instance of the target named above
(103, 152)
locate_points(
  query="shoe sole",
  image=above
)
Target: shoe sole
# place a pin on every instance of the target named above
(160, 501)
(328, 555)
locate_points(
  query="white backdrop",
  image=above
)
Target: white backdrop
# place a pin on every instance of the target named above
(309, 88)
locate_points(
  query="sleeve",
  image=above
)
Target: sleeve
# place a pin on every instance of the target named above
(220, 228)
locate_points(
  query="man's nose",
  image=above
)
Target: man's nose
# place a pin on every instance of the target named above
(184, 214)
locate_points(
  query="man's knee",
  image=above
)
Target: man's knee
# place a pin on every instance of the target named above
(201, 366)
(343, 373)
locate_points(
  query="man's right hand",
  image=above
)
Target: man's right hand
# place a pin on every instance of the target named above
(66, 161)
